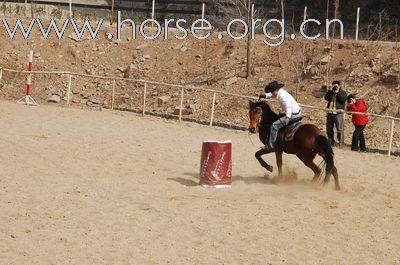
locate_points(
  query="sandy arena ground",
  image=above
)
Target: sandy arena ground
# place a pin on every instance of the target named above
(102, 187)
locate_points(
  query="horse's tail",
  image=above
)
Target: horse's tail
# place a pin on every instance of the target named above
(326, 149)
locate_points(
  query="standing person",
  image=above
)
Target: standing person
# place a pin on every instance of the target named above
(289, 106)
(359, 121)
(336, 98)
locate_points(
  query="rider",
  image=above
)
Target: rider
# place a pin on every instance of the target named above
(290, 108)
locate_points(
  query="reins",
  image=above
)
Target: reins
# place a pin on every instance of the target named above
(248, 134)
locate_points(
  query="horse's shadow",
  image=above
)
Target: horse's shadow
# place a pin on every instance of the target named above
(194, 180)
(267, 179)
(254, 179)
(185, 181)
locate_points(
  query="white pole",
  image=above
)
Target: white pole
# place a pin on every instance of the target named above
(341, 143)
(69, 88)
(305, 17)
(391, 138)
(203, 10)
(358, 21)
(181, 105)
(113, 94)
(212, 109)
(1, 73)
(144, 98)
(252, 17)
(152, 12)
(70, 8)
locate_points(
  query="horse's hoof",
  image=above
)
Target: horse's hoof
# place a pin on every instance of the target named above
(269, 168)
(337, 187)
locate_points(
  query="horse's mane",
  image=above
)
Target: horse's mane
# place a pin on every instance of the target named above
(268, 116)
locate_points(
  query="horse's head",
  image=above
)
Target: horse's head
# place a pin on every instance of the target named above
(260, 113)
(255, 113)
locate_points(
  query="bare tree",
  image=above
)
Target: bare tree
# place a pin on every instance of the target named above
(397, 54)
(336, 14)
(240, 9)
(32, 12)
(112, 13)
(248, 45)
(299, 61)
(279, 47)
(206, 59)
(327, 17)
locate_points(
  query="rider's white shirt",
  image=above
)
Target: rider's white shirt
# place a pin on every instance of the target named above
(287, 102)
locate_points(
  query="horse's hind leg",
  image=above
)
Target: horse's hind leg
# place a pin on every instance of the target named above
(262, 162)
(317, 171)
(336, 177)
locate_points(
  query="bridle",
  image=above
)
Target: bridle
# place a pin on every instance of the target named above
(259, 111)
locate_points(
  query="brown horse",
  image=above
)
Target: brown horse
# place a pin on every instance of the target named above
(306, 142)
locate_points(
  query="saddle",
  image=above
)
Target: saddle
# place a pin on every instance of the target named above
(287, 133)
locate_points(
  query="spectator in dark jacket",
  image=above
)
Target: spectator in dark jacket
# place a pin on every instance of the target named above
(359, 121)
(336, 98)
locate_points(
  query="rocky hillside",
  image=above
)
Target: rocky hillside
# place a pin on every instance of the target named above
(368, 68)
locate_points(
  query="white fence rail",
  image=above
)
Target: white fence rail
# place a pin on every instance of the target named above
(187, 87)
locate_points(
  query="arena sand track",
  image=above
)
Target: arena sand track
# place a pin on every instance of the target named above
(90, 187)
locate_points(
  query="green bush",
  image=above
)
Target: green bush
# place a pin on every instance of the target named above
(10, 9)
(138, 18)
(40, 11)
(56, 13)
(4, 8)
(17, 9)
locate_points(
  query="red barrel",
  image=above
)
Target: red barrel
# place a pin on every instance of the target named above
(216, 164)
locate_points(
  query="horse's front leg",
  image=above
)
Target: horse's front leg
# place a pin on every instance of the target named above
(278, 154)
(262, 162)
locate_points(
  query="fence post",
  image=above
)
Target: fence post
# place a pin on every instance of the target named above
(341, 143)
(1, 73)
(212, 109)
(391, 138)
(69, 88)
(113, 95)
(357, 22)
(144, 98)
(181, 105)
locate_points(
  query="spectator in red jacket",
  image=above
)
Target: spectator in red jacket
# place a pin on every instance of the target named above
(359, 121)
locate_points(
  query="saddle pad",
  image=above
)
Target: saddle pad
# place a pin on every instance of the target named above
(289, 132)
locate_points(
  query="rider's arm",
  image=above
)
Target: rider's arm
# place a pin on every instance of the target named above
(328, 96)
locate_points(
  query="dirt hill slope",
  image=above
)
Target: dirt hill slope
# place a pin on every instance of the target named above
(369, 69)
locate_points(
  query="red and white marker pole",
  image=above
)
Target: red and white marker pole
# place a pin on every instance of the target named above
(29, 76)
(28, 100)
